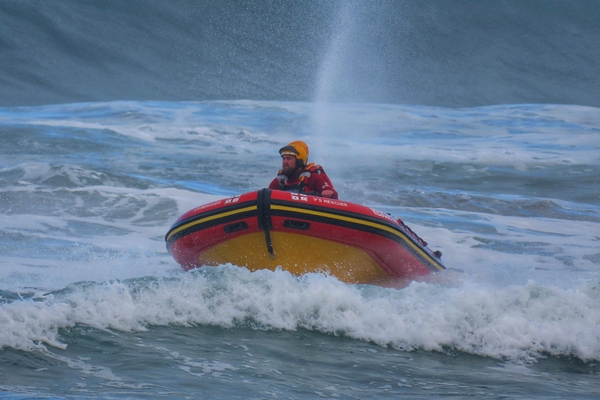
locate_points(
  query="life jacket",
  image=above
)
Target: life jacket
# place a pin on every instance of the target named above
(300, 184)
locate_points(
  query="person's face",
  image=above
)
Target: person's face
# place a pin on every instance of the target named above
(288, 164)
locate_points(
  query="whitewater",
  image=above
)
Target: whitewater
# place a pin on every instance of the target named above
(90, 294)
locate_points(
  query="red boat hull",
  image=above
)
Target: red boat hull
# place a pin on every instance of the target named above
(299, 233)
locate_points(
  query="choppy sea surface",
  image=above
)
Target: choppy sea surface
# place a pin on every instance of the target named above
(475, 122)
(93, 306)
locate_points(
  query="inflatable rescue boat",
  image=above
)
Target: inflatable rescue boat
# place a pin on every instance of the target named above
(269, 229)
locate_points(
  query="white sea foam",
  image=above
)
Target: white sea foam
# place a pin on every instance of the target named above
(505, 135)
(93, 233)
(516, 322)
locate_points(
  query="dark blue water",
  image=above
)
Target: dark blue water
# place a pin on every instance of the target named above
(446, 53)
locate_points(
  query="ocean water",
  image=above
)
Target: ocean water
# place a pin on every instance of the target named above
(94, 170)
(438, 53)
(93, 305)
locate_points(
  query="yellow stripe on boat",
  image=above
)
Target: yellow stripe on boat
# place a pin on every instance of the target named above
(211, 218)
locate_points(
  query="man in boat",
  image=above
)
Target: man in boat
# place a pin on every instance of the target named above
(296, 175)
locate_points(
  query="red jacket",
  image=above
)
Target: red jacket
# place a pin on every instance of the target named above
(310, 179)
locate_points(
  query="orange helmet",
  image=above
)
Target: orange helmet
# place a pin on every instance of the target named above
(298, 149)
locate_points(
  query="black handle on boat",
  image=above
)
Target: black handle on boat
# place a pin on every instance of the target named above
(263, 206)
